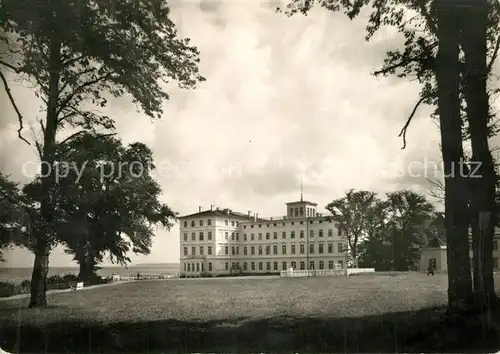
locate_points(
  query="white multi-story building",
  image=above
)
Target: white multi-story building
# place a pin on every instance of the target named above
(222, 242)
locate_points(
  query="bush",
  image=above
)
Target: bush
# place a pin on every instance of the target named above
(7, 289)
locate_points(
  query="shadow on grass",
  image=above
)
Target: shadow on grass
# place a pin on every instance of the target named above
(422, 331)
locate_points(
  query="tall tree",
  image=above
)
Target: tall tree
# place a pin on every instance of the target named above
(353, 215)
(108, 201)
(77, 52)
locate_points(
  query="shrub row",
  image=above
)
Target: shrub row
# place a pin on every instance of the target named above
(55, 282)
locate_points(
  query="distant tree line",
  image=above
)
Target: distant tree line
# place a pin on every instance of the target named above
(386, 233)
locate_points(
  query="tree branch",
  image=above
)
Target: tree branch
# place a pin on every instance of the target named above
(79, 90)
(494, 55)
(13, 102)
(408, 121)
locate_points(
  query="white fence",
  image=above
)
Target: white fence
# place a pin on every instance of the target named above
(324, 272)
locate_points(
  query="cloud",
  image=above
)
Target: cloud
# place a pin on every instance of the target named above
(285, 98)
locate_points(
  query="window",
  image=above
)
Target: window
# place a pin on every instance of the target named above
(321, 265)
(292, 249)
(237, 236)
(201, 222)
(233, 251)
(185, 266)
(268, 235)
(311, 265)
(189, 267)
(283, 234)
(245, 266)
(311, 248)
(260, 225)
(201, 236)
(311, 233)
(302, 265)
(245, 250)
(283, 249)
(226, 250)
(301, 211)
(268, 250)
(330, 232)
(330, 248)
(330, 265)
(192, 223)
(320, 250)
(320, 232)
(244, 237)
(260, 250)
(202, 267)
(237, 250)
(209, 222)
(261, 267)
(301, 223)
(232, 236)
(340, 232)
(226, 265)
(209, 235)
(201, 250)
(252, 265)
(252, 237)
(341, 264)
(292, 234)
(232, 223)
(302, 249)
(495, 263)
(185, 224)
(275, 249)
(193, 236)
(340, 247)
(296, 211)
(268, 266)
(209, 250)
(209, 265)
(283, 265)
(226, 222)
(275, 265)
(268, 225)
(197, 267)
(226, 235)
(294, 265)
(252, 250)
(193, 251)
(185, 236)
(185, 251)
(275, 235)
(301, 233)
(495, 245)
(260, 236)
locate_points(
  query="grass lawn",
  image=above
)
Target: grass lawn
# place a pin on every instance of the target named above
(376, 313)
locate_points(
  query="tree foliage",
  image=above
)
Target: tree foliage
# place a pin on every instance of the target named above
(108, 201)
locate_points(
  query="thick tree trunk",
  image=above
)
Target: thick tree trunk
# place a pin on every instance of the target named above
(447, 75)
(483, 180)
(44, 235)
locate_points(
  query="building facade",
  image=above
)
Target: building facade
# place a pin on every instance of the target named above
(223, 242)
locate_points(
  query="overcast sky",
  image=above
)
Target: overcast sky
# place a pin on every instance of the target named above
(284, 98)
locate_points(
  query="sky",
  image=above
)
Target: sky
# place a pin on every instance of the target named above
(285, 99)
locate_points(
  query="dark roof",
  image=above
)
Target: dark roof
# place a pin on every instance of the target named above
(302, 201)
(435, 242)
(218, 212)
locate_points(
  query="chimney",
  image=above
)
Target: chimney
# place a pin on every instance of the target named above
(200, 209)
(249, 213)
(211, 208)
(256, 216)
(228, 211)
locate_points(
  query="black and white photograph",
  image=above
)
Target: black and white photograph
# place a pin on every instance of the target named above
(249, 176)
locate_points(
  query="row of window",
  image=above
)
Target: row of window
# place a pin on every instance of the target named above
(300, 211)
(253, 250)
(235, 236)
(252, 266)
(320, 221)
(233, 223)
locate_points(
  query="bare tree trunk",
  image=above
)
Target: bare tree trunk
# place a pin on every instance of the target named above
(447, 75)
(474, 44)
(44, 233)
